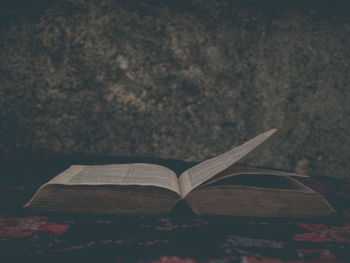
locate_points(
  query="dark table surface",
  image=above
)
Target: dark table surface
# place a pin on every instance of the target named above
(179, 236)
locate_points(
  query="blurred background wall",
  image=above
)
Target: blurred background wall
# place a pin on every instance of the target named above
(178, 79)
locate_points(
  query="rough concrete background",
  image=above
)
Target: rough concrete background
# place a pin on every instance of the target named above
(179, 79)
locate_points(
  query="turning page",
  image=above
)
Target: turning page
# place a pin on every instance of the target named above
(202, 172)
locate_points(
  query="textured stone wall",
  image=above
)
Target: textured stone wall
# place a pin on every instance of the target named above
(179, 79)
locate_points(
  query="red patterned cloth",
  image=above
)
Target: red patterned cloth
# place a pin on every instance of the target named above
(177, 237)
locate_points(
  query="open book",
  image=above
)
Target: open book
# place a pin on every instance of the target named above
(215, 186)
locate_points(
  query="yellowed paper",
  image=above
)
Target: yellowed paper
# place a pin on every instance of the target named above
(202, 172)
(119, 174)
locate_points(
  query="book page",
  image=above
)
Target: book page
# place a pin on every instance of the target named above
(249, 173)
(202, 172)
(119, 174)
